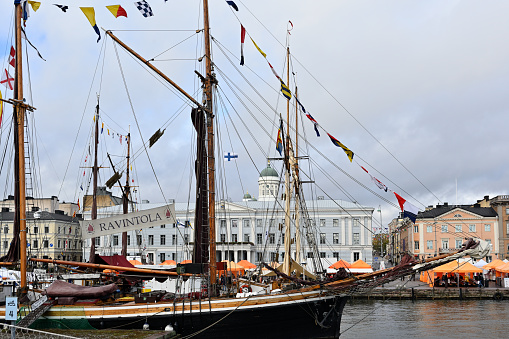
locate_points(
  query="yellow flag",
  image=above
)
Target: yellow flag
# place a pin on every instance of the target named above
(258, 48)
(35, 5)
(1, 108)
(90, 14)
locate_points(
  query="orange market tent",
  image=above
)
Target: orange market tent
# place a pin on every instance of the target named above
(186, 262)
(503, 268)
(135, 262)
(493, 264)
(360, 267)
(232, 267)
(246, 264)
(169, 262)
(341, 263)
(463, 269)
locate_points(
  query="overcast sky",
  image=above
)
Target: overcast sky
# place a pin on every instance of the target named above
(417, 89)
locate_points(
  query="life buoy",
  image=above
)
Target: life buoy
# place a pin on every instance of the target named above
(245, 289)
(498, 296)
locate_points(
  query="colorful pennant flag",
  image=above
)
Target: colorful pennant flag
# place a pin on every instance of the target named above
(12, 57)
(407, 208)
(279, 141)
(90, 14)
(378, 183)
(144, 8)
(64, 8)
(35, 5)
(339, 144)
(79, 204)
(7, 80)
(24, 36)
(242, 38)
(1, 108)
(285, 90)
(273, 71)
(258, 48)
(102, 128)
(310, 117)
(117, 10)
(234, 6)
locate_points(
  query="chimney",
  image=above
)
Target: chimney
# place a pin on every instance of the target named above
(446, 204)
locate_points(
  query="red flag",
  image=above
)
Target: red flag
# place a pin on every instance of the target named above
(12, 57)
(242, 38)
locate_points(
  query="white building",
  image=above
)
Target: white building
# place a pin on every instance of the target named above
(250, 229)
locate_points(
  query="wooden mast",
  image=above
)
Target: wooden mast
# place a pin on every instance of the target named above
(297, 185)
(125, 197)
(288, 234)
(210, 80)
(20, 147)
(95, 170)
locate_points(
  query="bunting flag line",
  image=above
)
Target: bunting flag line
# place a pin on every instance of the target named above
(285, 90)
(378, 183)
(35, 5)
(279, 141)
(117, 10)
(273, 70)
(407, 208)
(102, 128)
(234, 6)
(315, 123)
(336, 142)
(258, 48)
(64, 8)
(144, 8)
(79, 208)
(7, 80)
(12, 57)
(242, 38)
(24, 36)
(90, 14)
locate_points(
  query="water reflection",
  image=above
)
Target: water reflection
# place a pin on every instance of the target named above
(425, 319)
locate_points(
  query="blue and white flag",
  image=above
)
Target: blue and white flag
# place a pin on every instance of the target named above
(144, 8)
(228, 156)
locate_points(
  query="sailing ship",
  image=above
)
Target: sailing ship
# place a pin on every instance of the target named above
(291, 308)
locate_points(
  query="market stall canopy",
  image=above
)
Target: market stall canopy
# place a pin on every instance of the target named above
(480, 264)
(186, 262)
(360, 266)
(169, 262)
(246, 264)
(455, 267)
(341, 263)
(135, 262)
(493, 264)
(503, 268)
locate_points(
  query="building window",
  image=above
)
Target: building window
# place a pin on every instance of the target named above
(173, 239)
(6, 229)
(162, 239)
(429, 244)
(138, 239)
(151, 239)
(223, 237)
(471, 228)
(235, 222)
(59, 244)
(457, 228)
(234, 238)
(322, 255)
(322, 238)
(246, 237)
(356, 239)
(46, 229)
(186, 239)
(335, 222)
(444, 228)
(356, 222)
(445, 244)
(163, 226)
(272, 222)
(45, 243)
(488, 241)
(162, 257)
(259, 238)
(128, 240)
(507, 210)
(507, 227)
(246, 223)
(223, 223)
(335, 255)
(115, 240)
(416, 245)
(458, 216)
(58, 230)
(36, 229)
(259, 222)
(429, 228)
(487, 227)
(36, 244)
(310, 254)
(322, 222)
(416, 228)
(335, 238)
(459, 242)
(98, 241)
(151, 258)
(356, 256)
(259, 256)
(272, 238)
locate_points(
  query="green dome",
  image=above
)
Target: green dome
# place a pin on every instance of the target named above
(269, 172)
(247, 196)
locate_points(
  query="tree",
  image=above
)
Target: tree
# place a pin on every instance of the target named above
(380, 239)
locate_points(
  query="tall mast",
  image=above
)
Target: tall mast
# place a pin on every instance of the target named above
(297, 185)
(95, 171)
(20, 121)
(210, 146)
(288, 234)
(125, 197)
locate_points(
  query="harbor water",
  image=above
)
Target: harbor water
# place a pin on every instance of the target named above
(425, 319)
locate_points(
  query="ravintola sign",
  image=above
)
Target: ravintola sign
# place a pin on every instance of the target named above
(128, 222)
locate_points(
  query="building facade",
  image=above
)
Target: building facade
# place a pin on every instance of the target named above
(252, 229)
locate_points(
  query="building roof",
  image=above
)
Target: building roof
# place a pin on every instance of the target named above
(269, 172)
(442, 209)
(41, 215)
